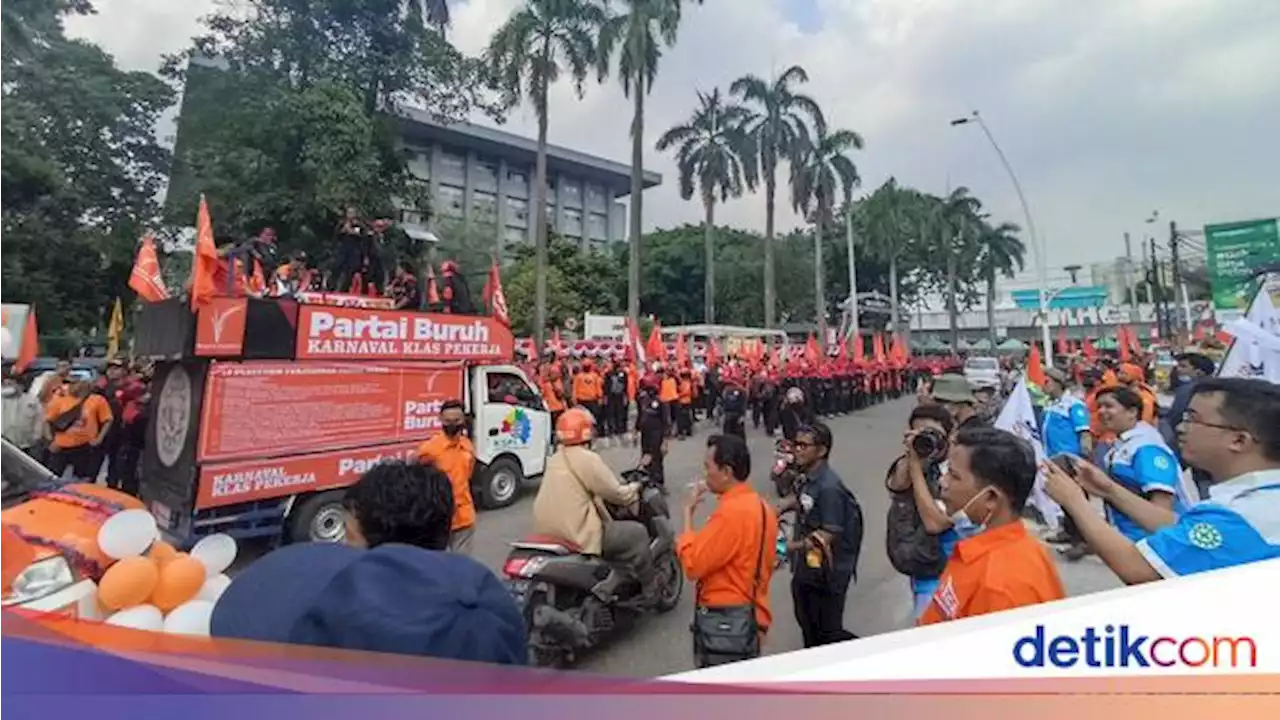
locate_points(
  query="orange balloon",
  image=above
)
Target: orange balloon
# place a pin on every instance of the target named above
(180, 579)
(127, 583)
(162, 552)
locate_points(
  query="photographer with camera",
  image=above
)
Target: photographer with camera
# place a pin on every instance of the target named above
(920, 534)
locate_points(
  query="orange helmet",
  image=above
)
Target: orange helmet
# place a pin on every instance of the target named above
(575, 427)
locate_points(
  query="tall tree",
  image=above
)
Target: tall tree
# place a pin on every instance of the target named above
(821, 174)
(779, 126)
(956, 221)
(717, 155)
(636, 36)
(529, 52)
(1000, 252)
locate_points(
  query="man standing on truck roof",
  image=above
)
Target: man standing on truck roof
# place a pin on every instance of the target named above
(452, 452)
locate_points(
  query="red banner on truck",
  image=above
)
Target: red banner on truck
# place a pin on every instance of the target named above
(342, 333)
(262, 409)
(250, 480)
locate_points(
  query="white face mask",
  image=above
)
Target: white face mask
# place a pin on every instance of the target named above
(965, 526)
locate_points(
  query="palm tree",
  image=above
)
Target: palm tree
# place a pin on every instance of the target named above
(892, 217)
(955, 218)
(818, 172)
(637, 35)
(436, 13)
(526, 55)
(779, 126)
(999, 252)
(716, 154)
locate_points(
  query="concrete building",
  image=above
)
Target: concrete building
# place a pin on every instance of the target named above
(483, 178)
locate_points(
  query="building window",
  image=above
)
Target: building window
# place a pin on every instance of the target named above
(515, 236)
(451, 201)
(453, 168)
(484, 208)
(595, 198)
(572, 192)
(597, 226)
(598, 246)
(418, 160)
(412, 217)
(518, 178)
(572, 222)
(517, 212)
(486, 175)
(551, 191)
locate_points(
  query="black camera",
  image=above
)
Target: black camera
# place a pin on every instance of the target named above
(929, 443)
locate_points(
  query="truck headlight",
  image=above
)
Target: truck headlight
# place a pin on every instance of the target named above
(41, 579)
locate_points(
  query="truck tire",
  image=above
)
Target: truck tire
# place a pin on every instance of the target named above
(500, 484)
(318, 518)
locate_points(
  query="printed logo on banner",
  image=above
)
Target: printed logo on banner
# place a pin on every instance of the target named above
(220, 327)
(515, 431)
(173, 415)
(1121, 646)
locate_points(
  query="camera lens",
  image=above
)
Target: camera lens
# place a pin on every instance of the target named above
(925, 444)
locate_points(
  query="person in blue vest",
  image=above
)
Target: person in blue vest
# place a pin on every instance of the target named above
(1231, 430)
(1064, 427)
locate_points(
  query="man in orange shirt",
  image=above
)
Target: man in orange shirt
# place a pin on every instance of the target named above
(684, 413)
(552, 387)
(588, 390)
(79, 421)
(990, 474)
(452, 452)
(732, 557)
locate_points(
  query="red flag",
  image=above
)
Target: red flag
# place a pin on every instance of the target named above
(1035, 366)
(859, 350)
(877, 347)
(713, 352)
(682, 351)
(145, 278)
(811, 351)
(843, 351)
(1087, 349)
(433, 292)
(655, 349)
(30, 346)
(1122, 343)
(1064, 348)
(494, 297)
(204, 266)
(635, 348)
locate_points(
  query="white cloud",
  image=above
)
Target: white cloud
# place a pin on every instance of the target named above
(1107, 109)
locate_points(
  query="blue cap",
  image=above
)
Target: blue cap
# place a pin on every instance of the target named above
(393, 599)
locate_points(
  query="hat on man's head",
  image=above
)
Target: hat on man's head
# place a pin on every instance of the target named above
(953, 388)
(393, 599)
(1056, 374)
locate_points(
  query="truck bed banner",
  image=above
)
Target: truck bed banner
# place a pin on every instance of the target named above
(250, 480)
(338, 333)
(270, 408)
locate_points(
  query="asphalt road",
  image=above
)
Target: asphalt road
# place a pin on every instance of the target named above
(866, 442)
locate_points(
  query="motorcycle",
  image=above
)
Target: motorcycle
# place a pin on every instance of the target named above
(573, 602)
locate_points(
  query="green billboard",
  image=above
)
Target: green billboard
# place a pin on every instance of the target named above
(1236, 251)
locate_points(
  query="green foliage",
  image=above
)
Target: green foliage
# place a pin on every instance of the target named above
(577, 282)
(81, 166)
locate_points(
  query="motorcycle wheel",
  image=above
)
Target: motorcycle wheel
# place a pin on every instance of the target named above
(540, 655)
(673, 588)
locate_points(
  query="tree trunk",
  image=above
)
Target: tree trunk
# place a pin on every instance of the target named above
(637, 189)
(991, 305)
(709, 259)
(540, 231)
(770, 304)
(894, 316)
(819, 280)
(953, 315)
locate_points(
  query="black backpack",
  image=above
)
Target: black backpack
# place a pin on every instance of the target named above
(912, 550)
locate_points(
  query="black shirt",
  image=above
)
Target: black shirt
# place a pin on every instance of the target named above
(826, 504)
(651, 423)
(615, 383)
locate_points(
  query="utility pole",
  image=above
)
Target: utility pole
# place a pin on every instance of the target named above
(853, 273)
(1179, 283)
(1157, 292)
(1128, 279)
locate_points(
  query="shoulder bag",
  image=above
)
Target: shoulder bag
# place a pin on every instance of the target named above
(728, 634)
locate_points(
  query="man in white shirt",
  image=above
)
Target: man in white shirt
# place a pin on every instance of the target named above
(1231, 430)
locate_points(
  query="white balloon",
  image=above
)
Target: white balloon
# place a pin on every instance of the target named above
(127, 534)
(213, 588)
(217, 552)
(190, 618)
(139, 617)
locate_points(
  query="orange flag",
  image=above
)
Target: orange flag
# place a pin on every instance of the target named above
(655, 349)
(811, 351)
(1064, 347)
(859, 350)
(495, 297)
(433, 292)
(145, 278)
(682, 351)
(1035, 366)
(1122, 343)
(1087, 349)
(30, 346)
(204, 266)
(877, 347)
(713, 353)
(842, 351)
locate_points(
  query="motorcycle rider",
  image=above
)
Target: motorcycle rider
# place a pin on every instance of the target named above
(572, 498)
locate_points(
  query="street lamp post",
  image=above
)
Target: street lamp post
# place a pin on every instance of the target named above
(1042, 268)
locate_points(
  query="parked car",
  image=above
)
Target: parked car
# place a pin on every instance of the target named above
(982, 372)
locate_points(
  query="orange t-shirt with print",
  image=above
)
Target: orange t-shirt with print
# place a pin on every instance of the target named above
(94, 414)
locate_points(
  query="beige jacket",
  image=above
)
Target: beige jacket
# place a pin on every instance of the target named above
(569, 504)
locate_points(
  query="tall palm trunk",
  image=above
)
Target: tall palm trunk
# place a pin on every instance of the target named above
(540, 229)
(819, 279)
(953, 315)
(637, 188)
(709, 259)
(893, 293)
(770, 304)
(991, 304)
